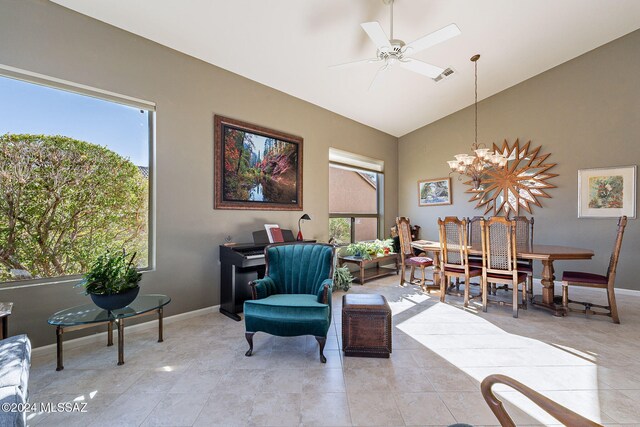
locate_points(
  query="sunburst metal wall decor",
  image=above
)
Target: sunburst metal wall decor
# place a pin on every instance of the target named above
(517, 185)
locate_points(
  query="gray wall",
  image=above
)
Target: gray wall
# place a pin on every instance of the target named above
(585, 112)
(45, 38)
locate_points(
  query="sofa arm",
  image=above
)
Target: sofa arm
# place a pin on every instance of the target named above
(324, 293)
(262, 288)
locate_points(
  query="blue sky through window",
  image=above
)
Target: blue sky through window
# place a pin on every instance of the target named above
(35, 109)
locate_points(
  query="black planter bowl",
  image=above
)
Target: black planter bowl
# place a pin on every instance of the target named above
(115, 301)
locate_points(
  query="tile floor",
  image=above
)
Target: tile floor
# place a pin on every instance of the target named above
(200, 377)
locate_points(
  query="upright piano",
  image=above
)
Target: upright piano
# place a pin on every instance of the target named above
(239, 265)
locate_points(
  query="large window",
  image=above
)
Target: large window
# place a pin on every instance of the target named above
(354, 203)
(74, 178)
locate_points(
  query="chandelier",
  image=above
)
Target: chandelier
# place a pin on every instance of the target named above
(483, 159)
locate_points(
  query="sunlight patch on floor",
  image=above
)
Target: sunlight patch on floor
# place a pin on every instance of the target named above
(479, 348)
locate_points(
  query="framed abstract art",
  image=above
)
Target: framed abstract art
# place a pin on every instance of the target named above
(607, 192)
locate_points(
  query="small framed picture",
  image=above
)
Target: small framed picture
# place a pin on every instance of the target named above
(607, 192)
(434, 192)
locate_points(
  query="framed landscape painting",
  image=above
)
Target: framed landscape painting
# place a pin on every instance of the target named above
(255, 167)
(434, 192)
(607, 192)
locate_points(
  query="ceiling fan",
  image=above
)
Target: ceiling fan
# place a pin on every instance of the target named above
(394, 51)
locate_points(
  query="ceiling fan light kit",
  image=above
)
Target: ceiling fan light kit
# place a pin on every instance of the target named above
(392, 51)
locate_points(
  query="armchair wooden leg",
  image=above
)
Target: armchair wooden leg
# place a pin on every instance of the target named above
(443, 285)
(530, 288)
(611, 295)
(249, 337)
(402, 273)
(321, 342)
(524, 295)
(515, 300)
(412, 278)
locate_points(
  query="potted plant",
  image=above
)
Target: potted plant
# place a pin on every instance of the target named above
(359, 250)
(112, 281)
(342, 279)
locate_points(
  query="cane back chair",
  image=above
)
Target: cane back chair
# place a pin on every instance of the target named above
(499, 259)
(455, 256)
(407, 257)
(524, 242)
(578, 278)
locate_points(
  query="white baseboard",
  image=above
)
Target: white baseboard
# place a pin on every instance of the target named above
(102, 336)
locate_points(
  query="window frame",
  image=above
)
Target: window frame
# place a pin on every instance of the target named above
(104, 95)
(379, 215)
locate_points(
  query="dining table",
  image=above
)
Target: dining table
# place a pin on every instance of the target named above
(546, 254)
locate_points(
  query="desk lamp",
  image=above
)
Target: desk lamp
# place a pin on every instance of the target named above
(304, 217)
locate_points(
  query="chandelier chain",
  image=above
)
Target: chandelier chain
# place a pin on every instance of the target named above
(475, 63)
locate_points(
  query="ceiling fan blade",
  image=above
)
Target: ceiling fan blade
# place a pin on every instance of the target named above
(433, 39)
(421, 67)
(379, 76)
(376, 34)
(349, 64)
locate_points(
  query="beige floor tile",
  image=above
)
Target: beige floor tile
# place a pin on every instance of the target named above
(276, 409)
(325, 409)
(440, 351)
(129, 409)
(468, 407)
(450, 379)
(177, 409)
(423, 409)
(225, 408)
(323, 380)
(365, 380)
(374, 409)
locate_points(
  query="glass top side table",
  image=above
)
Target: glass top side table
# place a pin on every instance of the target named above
(90, 315)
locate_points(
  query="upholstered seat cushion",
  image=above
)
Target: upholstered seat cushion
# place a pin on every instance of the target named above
(527, 268)
(421, 261)
(580, 277)
(522, 276)
(473, 270)
(288, 315)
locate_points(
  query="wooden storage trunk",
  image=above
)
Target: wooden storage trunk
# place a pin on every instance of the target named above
(366, 325)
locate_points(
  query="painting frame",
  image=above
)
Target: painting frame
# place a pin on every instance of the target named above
(601, 190)
(440, 200)
(221, 176)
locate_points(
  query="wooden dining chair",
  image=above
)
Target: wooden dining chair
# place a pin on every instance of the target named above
(524, 242)
(455, 256)
(499, 259)
(407, 257)
(591, 280)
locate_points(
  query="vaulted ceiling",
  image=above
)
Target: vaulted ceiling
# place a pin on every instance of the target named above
(290, 44)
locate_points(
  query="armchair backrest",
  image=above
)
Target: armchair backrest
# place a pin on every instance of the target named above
(299, 268)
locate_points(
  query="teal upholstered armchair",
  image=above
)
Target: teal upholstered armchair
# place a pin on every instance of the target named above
(294, 298)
